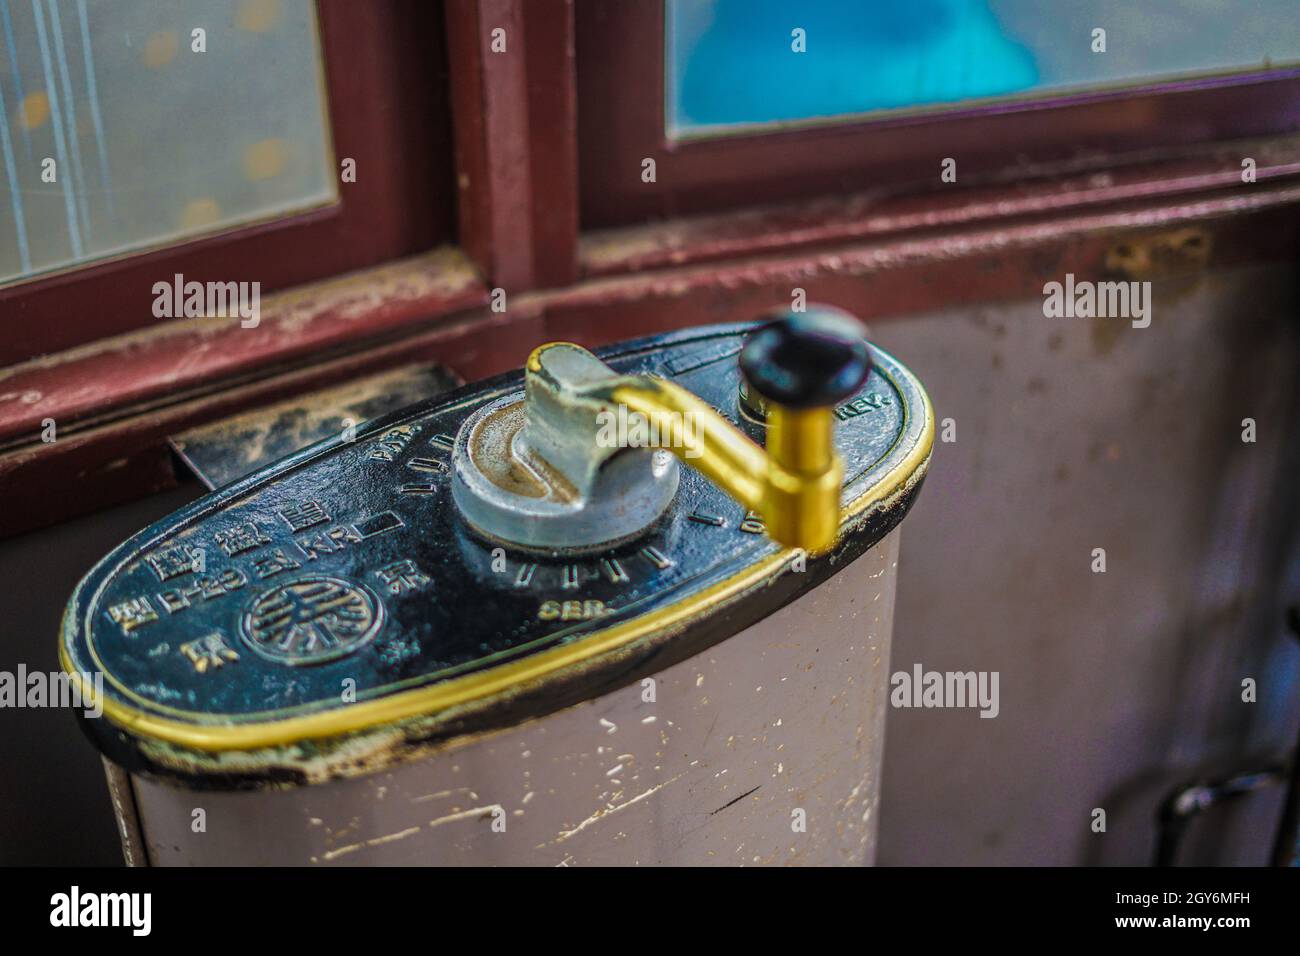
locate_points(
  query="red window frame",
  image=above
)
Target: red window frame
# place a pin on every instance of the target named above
(620, 47)
(403, 200)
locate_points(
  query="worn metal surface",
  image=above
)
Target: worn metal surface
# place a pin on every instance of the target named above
(511, 494)
(226, 633)
(764, 749)
(223, 451)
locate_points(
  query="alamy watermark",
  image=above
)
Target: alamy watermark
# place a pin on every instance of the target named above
(39, 689)
(179, 299)
(75, 908)
(951, 689)
(623, 428)
(1086, 300)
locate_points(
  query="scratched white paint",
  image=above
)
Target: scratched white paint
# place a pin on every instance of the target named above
(726, 771)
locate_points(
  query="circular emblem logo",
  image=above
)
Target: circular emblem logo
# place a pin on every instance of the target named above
(311, 619)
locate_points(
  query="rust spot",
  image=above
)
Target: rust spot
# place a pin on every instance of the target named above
(1177, 259)
(1105, 333)
(1161, 255)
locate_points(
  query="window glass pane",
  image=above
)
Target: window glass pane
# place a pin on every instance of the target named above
(123, 129)
(734, 65)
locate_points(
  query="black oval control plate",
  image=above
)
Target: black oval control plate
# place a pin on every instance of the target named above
(344, 574)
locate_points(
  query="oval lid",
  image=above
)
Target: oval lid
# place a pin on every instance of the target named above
(332, 613)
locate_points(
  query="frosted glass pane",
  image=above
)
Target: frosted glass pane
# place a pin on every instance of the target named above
(118, 135)
(733, 65)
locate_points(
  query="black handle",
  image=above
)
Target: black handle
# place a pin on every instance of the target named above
(807, 359)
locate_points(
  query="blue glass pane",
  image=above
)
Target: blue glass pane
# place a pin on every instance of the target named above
(739, 64)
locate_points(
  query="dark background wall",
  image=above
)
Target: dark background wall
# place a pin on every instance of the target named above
(54, 805)
(1075, 434)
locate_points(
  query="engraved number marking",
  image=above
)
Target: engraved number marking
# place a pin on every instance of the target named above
(377, 524)
(428, 465)
(702, 518)
(657, 558)
(207, 588)
(418, 489)
(613, 570)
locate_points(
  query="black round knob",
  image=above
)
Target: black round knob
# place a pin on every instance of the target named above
(807, 359)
